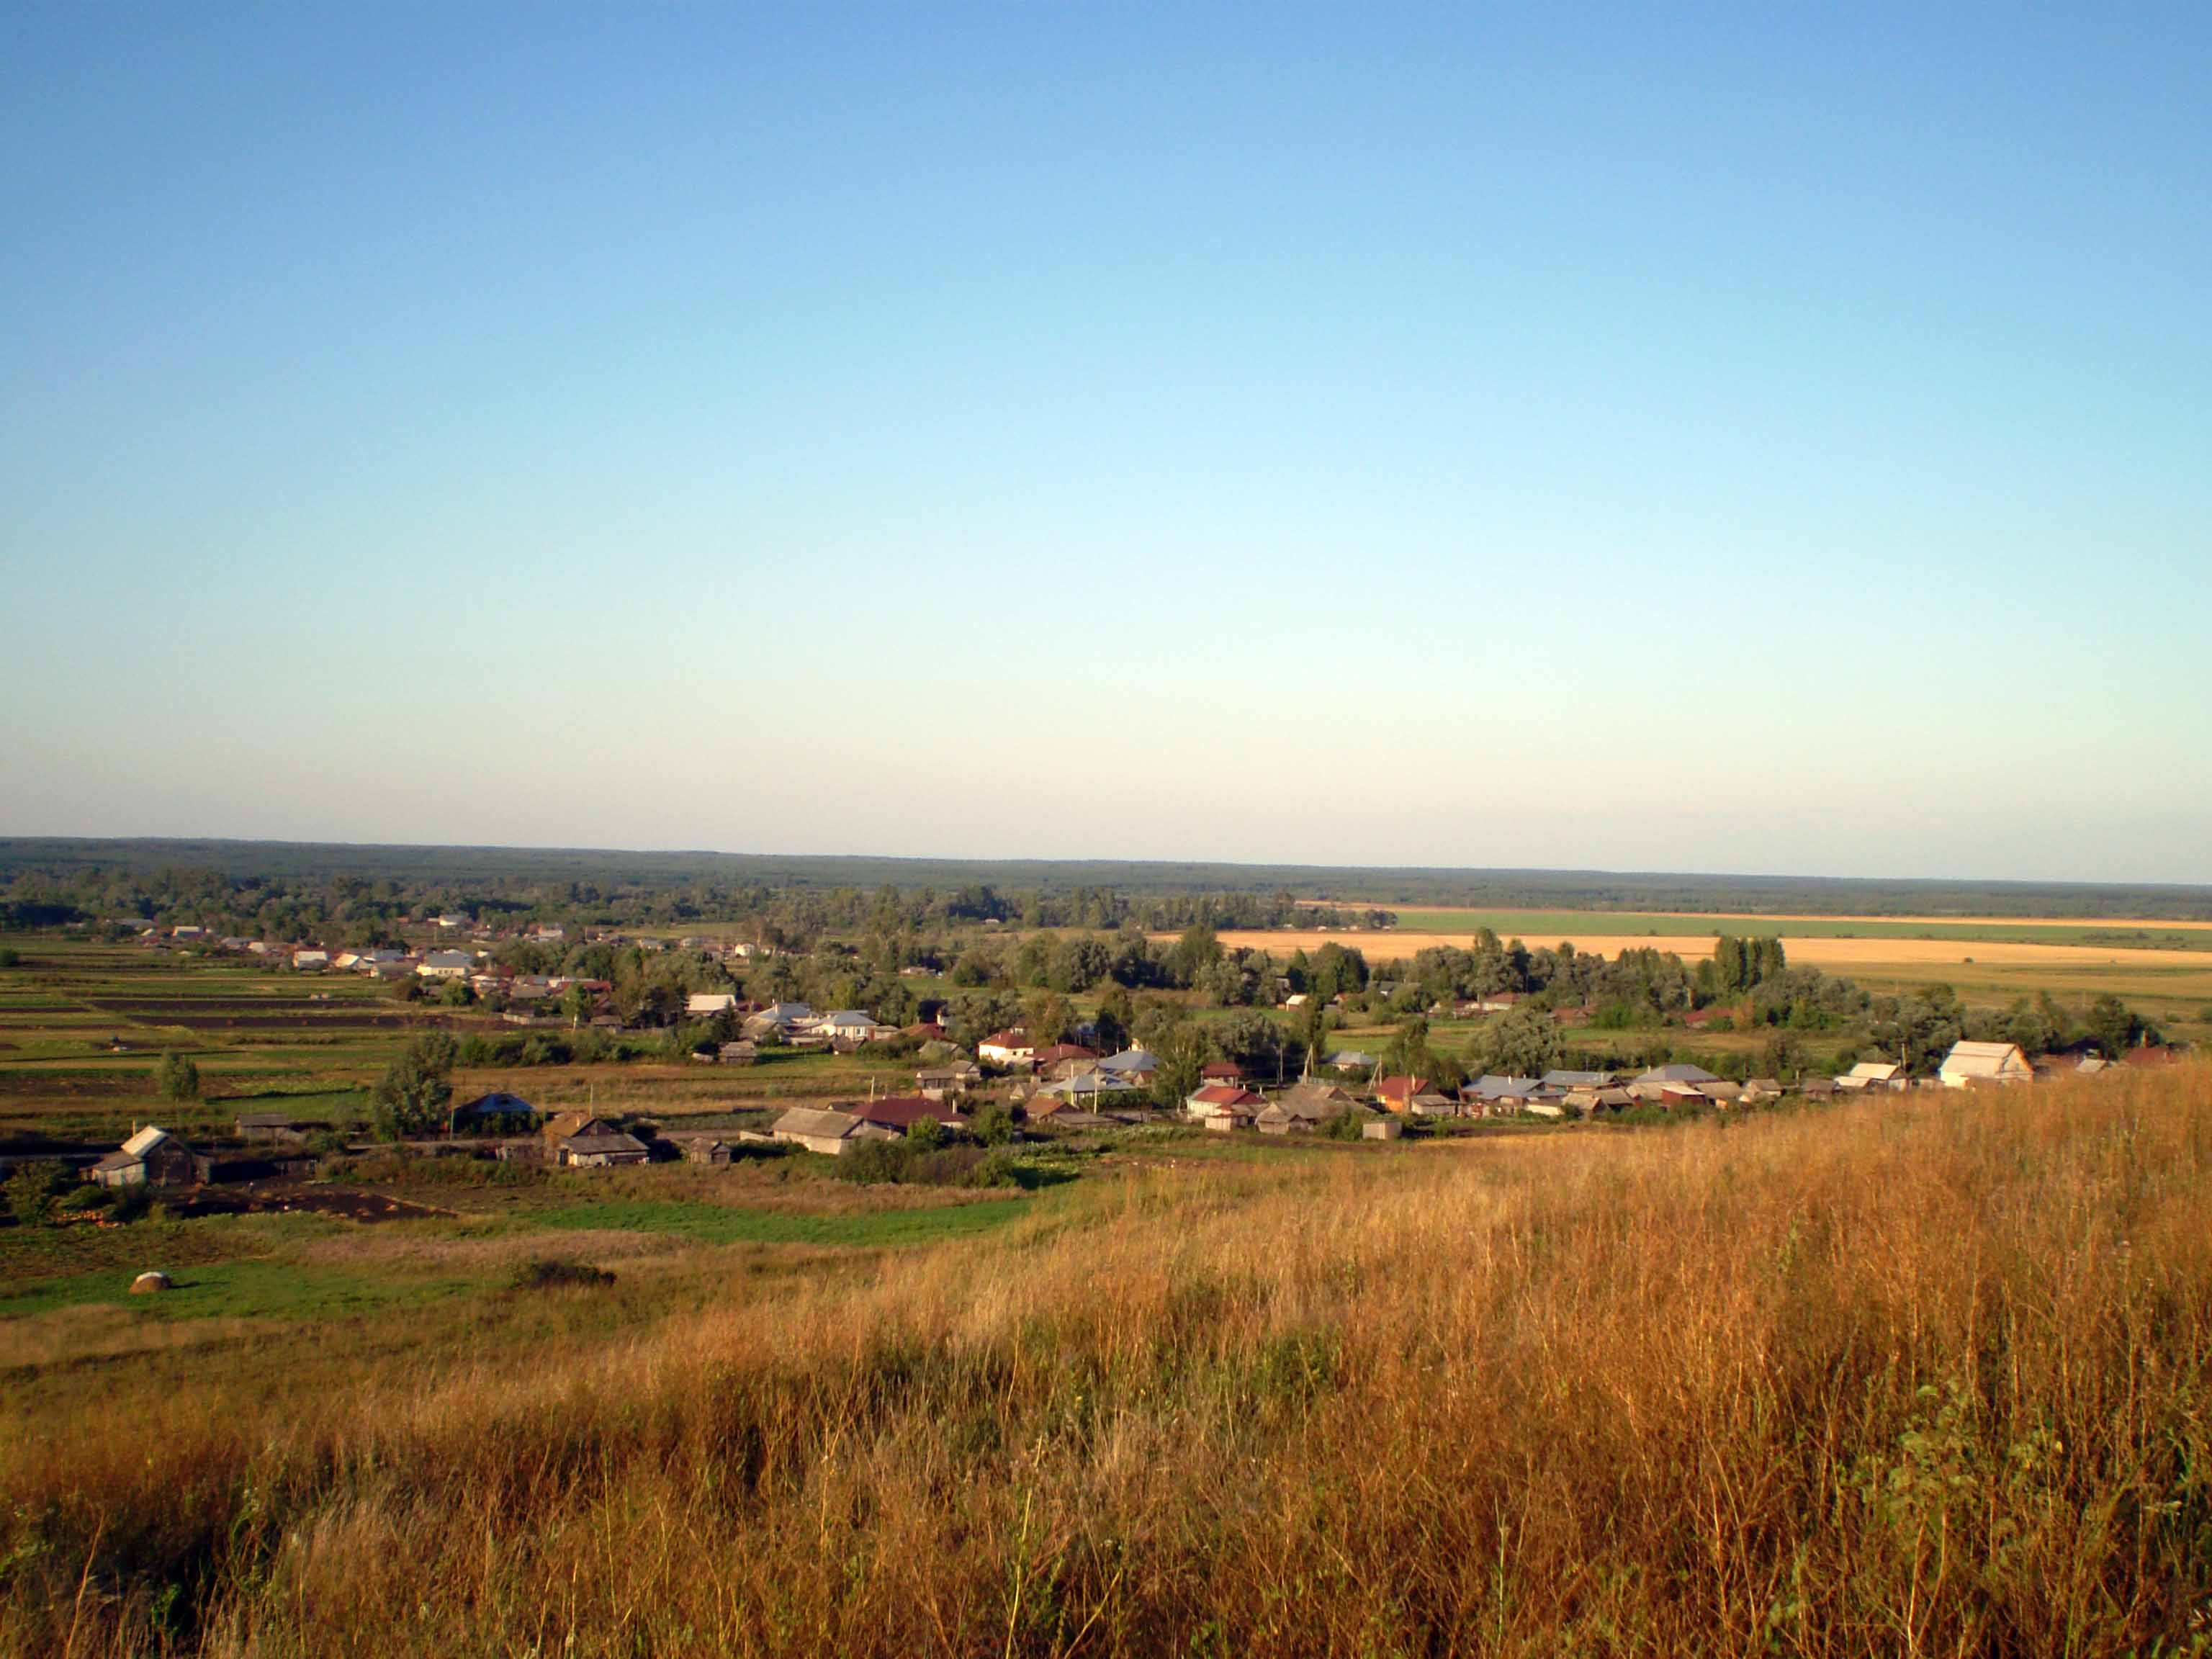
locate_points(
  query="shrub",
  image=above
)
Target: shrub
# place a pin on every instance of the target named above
(177, 1078)
(32, 1191)
(551, 1273)
(902, 1162)
(8, 959)
(1345, 1125)
(132, 1204)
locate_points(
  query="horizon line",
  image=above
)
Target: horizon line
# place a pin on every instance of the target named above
(12, 841)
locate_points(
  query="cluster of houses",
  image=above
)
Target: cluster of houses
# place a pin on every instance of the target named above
(1070, 1087)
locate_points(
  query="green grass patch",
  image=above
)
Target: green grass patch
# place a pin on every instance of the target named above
(716, 1223)
(234, 1290)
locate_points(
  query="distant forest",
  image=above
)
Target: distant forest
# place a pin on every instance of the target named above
(39, 874)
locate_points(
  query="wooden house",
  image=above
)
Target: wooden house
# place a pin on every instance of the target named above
(151, 1157)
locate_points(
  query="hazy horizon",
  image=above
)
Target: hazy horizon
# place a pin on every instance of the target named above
(1734, 444)
(1021, 862)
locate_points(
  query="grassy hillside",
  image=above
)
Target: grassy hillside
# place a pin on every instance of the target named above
(1925, 1374)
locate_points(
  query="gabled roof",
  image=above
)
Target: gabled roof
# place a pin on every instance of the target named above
(1130, 1059)
(1557, 1078)
(1401, 1088)
(1984, 1059)
(145, 1141)
(498, 1101)
(815, 1123)
(902, 1112)
(1224, 1096)
(1312, 1098)
(600, 1146)
(1678, 1072)
(1090, 1082)
(1491, 1087)
(1012, 1038)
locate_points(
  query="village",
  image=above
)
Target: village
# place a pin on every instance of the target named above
(1002, 1087)
(1014, 1088)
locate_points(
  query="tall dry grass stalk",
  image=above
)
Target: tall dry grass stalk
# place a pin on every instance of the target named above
(1918, 1375)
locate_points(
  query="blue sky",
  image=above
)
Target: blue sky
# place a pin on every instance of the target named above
(1699, 438)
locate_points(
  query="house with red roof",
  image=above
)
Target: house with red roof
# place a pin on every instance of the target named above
(902, 1112)
(1397, 1093)
(1011, 1048)
(1223, 1106)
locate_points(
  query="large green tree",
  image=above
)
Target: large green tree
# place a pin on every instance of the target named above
(1524, 1042)
(411, 1096)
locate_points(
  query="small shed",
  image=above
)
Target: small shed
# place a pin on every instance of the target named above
(151, 1157)
(599, 1151)
(266, 1127)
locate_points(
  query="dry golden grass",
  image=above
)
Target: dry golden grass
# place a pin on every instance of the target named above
(1919, 1375)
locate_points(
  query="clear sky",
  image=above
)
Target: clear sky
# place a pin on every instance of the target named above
(1692, 438)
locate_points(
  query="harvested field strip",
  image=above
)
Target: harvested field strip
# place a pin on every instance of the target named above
(1545, 926)
(302, 1021)
(224, 1004)
(1398, 945)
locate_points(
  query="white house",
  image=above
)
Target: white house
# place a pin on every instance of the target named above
(784, 1016)
(705, 1005)
(1969, 1063)
(311, 958)
(831, 1133)
(849, 1025)
(444, 965)
(1008, 1048)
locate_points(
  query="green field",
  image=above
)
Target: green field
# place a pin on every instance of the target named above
(715, 1224)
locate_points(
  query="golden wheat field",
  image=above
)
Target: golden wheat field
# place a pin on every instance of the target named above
(1399, 945)
(1925, 1374)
